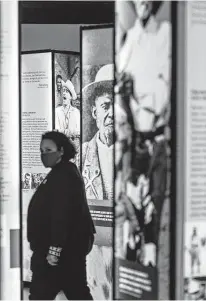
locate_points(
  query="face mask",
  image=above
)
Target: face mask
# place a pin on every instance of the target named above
(50, 159)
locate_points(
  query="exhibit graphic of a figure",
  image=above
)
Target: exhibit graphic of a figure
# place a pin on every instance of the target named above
(144, 65)
(97, 169)
(27, 181)
(58, 90)
(68, 117)
(97, 159)
(195, 251)
(75, 78)
(67, 99)
(97, 156)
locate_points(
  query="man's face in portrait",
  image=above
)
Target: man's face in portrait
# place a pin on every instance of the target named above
(37, 179)
(77, 67)
(59, 84)
(66, 97)
(102, 112)
(27, 179)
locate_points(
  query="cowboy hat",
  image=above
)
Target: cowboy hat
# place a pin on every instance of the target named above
(104, 78)
(68, 85)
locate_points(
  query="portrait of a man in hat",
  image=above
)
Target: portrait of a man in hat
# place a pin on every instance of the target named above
(97, 153)
(67, 117)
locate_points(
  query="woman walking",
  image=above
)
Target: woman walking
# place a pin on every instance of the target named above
(60, 229)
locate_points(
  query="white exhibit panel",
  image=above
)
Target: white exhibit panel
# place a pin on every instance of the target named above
(44, 75)
(194, 244)
(36, 118)
(9, 153)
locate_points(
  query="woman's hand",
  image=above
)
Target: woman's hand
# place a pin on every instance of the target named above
(52, 259)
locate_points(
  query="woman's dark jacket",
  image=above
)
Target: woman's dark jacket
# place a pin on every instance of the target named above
(58, 214)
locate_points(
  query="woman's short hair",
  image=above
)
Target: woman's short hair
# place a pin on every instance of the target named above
(61, 141)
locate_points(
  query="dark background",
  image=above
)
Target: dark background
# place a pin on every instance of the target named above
(56, 24)
(66, 12)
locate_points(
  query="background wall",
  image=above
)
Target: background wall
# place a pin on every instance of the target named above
(50, 36)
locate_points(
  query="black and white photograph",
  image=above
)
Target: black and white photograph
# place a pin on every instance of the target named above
(67, 97)
(97, 112)
(98, 149)
(142, 151)
(27, 181)
(32, 180)
(48, 227)
(103, 150)
(37, 179)
(98, 120)
(195, 288)
(195, 250)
